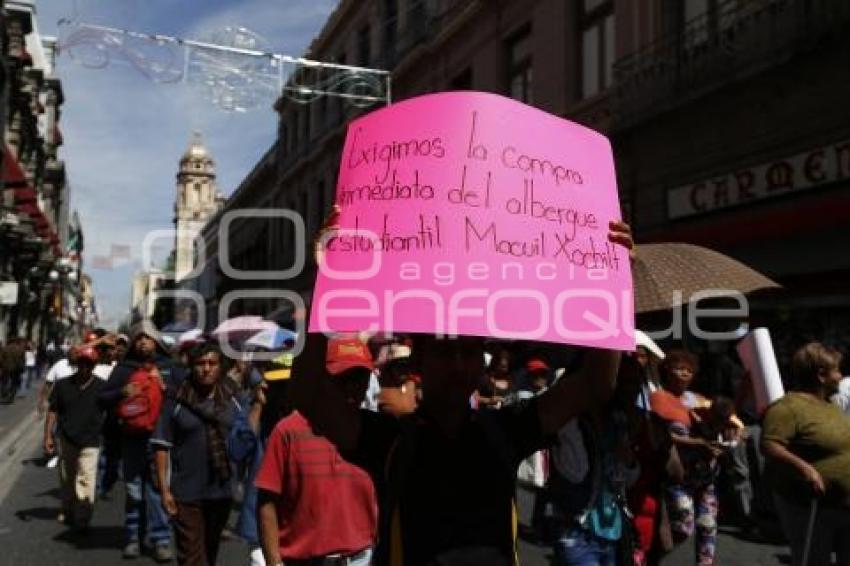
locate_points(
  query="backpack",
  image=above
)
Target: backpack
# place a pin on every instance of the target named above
(574, 496)
(139, 412)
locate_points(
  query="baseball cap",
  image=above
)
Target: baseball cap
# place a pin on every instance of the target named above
(346, 353)
(536, 364)
(87, 353)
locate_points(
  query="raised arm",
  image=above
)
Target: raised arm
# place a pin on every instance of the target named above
(589, 387)
(594, 382)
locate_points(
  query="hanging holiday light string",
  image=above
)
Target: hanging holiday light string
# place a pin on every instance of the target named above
(234, 68)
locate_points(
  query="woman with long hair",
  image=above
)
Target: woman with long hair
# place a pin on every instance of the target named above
(197, 427)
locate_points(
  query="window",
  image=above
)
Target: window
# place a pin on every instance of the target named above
(364, 47)
(197, 188)
(597, 46)
(701, 21)
(519, 66)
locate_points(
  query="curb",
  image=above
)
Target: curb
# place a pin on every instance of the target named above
(11, 446)
(8, 446)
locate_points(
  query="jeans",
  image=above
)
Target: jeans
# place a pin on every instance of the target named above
(831, 531)
(578, 547)
(110, 457)
(29, 378)
(143, 512)
(746, 474)
(362, 558)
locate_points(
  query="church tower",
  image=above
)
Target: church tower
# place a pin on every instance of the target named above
(197, 201)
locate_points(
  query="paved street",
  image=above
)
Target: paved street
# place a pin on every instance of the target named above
(30, 534)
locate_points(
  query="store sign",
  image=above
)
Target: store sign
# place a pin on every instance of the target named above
(806, 170)
(8, 293)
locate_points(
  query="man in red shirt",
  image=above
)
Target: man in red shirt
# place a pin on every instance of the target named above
(313, 504)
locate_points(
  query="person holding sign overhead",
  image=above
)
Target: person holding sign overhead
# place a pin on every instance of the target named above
(450, 471)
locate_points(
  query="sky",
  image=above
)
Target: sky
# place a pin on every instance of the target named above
(124, 134)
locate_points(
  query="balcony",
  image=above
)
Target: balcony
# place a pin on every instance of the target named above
(735, 41)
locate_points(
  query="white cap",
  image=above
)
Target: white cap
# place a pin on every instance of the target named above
(390, 352)
(642, 339)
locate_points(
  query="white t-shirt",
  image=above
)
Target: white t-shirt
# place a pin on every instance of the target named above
(63, 369)
(60, 370)
(29, 356)
(103, 371)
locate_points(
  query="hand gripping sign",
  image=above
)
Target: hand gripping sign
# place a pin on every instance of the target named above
(470, 213)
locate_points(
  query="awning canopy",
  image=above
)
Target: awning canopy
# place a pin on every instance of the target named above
(26, 201)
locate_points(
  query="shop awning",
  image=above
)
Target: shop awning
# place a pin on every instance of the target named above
(14, 179)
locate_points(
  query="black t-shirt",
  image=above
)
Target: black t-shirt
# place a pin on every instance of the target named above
(455, 495)
(80, 417)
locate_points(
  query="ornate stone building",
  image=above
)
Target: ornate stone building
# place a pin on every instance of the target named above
(34, 200)
(197, 200)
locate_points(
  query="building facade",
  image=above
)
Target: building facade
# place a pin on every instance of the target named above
(728, 121)
(718, 146)
(34, 226)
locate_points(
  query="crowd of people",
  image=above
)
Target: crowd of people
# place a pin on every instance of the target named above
(409, 450)
(624, 458)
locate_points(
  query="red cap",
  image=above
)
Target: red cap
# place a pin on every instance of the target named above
(536, 364)
(347, 353)
(87, 353)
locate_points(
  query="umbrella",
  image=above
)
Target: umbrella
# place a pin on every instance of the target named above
(273, 339)
(247, 324)
(190, 337)
(177, 326)
(660, 270)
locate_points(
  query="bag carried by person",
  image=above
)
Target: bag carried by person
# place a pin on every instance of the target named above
(139, 412)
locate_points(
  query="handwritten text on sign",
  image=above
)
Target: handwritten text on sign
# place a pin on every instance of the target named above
(470, 213)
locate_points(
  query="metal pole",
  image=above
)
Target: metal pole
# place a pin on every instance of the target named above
(810, 529)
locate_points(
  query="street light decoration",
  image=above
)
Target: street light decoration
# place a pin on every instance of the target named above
(234, 68)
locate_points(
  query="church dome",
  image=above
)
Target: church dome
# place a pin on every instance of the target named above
(196, 150)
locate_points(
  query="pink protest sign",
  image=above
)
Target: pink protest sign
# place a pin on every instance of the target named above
(470, 213)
